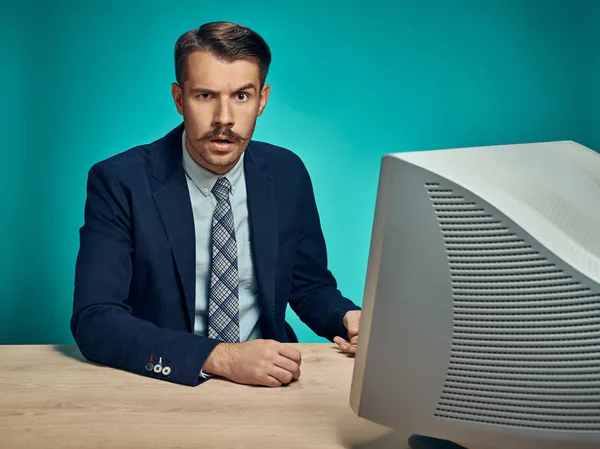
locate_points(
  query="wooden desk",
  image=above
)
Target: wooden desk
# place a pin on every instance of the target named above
(51, 398)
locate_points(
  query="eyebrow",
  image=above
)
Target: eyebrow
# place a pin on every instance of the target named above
(210, 91)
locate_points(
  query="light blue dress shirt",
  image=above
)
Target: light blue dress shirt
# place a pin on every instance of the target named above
(200, 182)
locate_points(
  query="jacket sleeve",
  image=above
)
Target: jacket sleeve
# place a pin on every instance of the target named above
(102, 324)
(315, 297)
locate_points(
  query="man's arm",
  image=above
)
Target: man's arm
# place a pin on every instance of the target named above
(314, 295)
(102, 325)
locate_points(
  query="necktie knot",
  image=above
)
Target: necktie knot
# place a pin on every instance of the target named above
(222, 189)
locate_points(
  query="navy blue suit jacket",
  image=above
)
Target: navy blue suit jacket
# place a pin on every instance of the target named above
(135, 271)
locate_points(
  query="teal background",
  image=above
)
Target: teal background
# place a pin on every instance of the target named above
(351, 81)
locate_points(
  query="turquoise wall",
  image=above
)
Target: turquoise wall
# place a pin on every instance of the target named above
(588, 75)
(351, 81)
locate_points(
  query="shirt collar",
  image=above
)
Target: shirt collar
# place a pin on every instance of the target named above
(205, 179)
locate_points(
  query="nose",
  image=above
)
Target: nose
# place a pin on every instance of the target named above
(223, 114)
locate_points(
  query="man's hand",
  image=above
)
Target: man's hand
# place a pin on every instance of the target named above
(352, 325)
(255, 362)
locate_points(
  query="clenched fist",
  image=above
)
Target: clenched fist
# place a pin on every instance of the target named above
(255, 362)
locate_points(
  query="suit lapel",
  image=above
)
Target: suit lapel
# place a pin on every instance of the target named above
(173, 202)
(262, 215)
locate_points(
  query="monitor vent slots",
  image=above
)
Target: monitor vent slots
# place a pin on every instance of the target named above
(526, 335)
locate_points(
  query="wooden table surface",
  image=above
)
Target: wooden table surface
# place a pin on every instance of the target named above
(50, 397)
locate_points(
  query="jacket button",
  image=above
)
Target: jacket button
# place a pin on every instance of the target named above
(149, 367)
(157, 368)
(166, 370)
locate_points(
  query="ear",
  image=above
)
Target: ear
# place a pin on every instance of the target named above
(177, 94)
(264, 97)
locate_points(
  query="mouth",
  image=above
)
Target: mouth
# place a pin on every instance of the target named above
(222, 140)
(221, 144)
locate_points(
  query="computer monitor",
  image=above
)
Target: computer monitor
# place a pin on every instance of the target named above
(481, 312)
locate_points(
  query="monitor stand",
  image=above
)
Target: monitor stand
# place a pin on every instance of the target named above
(423, 442)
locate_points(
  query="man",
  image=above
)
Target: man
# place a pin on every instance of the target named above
(193, 245)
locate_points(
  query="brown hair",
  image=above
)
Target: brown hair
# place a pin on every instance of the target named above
(225, 40)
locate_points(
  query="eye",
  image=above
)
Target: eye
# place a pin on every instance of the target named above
(242, 96)
(203, 95)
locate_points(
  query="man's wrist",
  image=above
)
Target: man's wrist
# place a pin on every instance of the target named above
(217, 362)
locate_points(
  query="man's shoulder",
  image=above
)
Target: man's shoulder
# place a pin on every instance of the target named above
(137, 155)
(275, 157)
(130, 158)
(136, 159)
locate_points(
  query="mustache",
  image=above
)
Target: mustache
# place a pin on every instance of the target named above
(225, 133)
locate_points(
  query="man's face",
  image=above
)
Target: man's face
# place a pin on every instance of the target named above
(220, 102)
